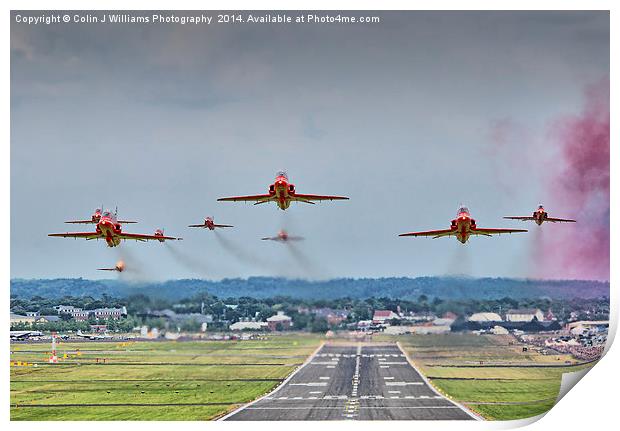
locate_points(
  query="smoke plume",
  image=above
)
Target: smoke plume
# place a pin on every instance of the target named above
(242, 254)
(306, 264)
(134, 270)
(191, 262)
(579, 184)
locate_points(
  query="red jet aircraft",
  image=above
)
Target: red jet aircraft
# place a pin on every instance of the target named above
(540, 216)
(283, 236)
(282, 193)
(209, 224)
(462, 227)
(94, 219)
(109, 228)
(120, 267)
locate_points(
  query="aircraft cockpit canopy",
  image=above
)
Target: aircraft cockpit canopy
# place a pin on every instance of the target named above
(282, 174)
(462, 210)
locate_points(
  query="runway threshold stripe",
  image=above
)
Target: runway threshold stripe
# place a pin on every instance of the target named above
(360, 408)
(309, 384)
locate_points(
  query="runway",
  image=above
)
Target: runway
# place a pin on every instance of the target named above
(353, 382)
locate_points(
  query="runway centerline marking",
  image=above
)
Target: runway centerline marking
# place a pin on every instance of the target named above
(352, 405)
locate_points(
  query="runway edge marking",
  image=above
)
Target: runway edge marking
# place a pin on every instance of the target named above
(280, 386)
(430, 385)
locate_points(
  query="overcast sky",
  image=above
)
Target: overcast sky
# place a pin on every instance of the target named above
(403, 116)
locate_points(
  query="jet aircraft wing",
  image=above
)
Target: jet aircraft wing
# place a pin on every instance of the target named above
(94, 222)
(204, 225)
(489, 232)
(522, 218)
(302, 198)
(85, 235)
(144, 237)
(433, 233)
(560, 220)
(258, 199)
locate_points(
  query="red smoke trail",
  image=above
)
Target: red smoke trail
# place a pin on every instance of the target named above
(579, 187)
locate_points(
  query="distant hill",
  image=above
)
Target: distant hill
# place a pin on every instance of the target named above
(266, 287)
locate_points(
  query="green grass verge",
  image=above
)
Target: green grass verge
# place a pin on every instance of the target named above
(140, 373)
(533, 390)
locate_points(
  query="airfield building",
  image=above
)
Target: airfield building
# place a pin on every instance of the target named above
(279, 322)
(18, 318)
(107, 313)
(47, 319)
(333, 317)
(248, 326)
(77, 313)
(383, 316)
(525, 315)
(485, 317)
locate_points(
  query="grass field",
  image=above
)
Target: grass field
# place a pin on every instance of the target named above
(158, 380)
(491, 374)
(200, 380)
